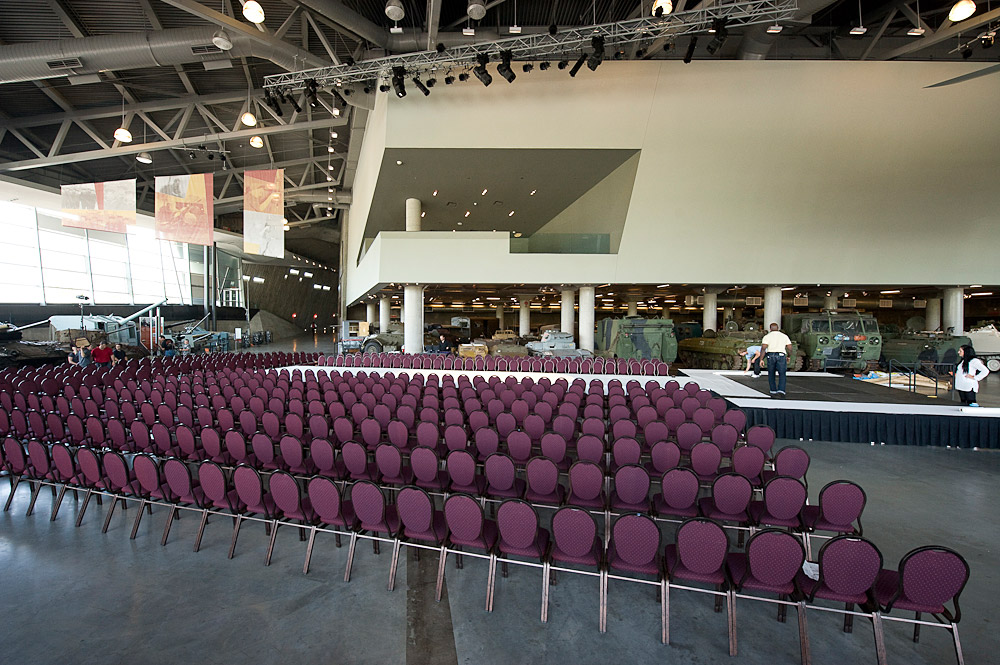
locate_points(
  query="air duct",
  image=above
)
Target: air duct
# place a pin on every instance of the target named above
(757, 42)
(159, 48)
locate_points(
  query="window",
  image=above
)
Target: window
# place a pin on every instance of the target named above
(20, 270)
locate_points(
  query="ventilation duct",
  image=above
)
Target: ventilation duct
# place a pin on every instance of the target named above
(757, 42)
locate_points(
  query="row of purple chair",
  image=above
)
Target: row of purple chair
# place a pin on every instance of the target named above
(621, 366)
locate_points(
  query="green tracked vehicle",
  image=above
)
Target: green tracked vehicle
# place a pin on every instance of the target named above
(835, 339)
(912, 347)
(637, 337)
(722, 350)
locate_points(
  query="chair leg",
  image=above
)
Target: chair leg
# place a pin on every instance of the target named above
(309, 550)
(916, 629)
(10, 497)
(111, 511)
(55, 508)
(782, 610)
(350, 556)
(83, 508)
(731, 620)
(491, 582)
(958, 644)
(36, 488)
(849, 618)
(270, 545)
(602, 591)
(880, 654)
(546, 571)
(718, 600)
(804, 654)
(236, 533)
(201, 529)
(505, 571)
(394, 563)
(665, 611)
(439, 586)
(138, 518)
(170, 521)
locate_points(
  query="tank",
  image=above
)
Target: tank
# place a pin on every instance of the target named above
(835, 339)
(392, 340)
(637, 337)
(986, 341)
(555, 343)
(17, 353)
(912, 347)
(722, 350)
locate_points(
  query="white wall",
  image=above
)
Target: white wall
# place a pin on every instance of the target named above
(750, 172)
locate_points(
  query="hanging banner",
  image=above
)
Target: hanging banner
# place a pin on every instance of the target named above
(263, 212)
(184, 208)
(99, 206)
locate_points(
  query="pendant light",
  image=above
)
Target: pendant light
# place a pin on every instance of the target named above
(253, 12)
(961, 10)
(122, 134)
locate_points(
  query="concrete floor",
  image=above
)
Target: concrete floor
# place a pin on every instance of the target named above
(74, 595)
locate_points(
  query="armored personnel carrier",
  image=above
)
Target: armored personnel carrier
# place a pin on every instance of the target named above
(555, 343)
(986, 341)
(637, 337)
(722, 350)
(911, 347)
(835, 339)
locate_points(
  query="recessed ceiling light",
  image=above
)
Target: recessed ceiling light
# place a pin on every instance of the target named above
(399, 163)
(474, 203)
(517, 234)
(333, 134)
(484, 192)
(435, 193)
(329, 167)
(467, 213)
(510, 214)
(329, 148)
(460, 223)
(423, 214)
(533, 192)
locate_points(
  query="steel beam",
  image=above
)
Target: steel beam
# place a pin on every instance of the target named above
(966, 26)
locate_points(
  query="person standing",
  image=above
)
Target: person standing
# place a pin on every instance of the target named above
(102, 355)
(85, 357)
(118, 355)
(969, 372)
(776, 347)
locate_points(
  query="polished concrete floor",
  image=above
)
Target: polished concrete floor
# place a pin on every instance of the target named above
(75, 595)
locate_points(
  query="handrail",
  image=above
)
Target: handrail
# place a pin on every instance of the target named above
(930, 370)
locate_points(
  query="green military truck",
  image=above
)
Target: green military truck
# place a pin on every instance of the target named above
(637, 337)
(835, 339)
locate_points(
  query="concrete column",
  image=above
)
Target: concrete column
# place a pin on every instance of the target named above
(384, 313)
(729, 314)
(710, 316)
(413, 210)
(953, 310)
(932, 315)
(524, 315)
(633, 308)
(413, 319)
(568, 300)
(586, 339)
(370, 312)
(829, 302)
(772, 306)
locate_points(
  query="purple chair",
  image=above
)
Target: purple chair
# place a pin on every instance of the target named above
(678, 494)
(748, 461)
(519, 447)
(425, 465)
(119, 480)
(90, 474)
(375, 515)
(355, 459)
(574, 541)
(790, 461)
(250, 488)
(543, 482)
(501, 478)
(664, 455)
(841, 503)
(389, 461)
(705, 460)
(736, 418)
(631, 492)
(927, 579)
(38, 470)
(330, 510)
(187, 492)
(725, 437)
(761, 436)
(730, 500)
(770, 565)
(65, 470)
(688, 434)
(421, 523)
(290, 505)
(635, 548)
(487, 442)
(586, 486)
(699, 555)
(219, 496)
(782, 506)
(625, 450)
(521, 536)
(590, 448)
(469, 528)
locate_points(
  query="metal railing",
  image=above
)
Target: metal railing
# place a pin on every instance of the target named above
(938, 372)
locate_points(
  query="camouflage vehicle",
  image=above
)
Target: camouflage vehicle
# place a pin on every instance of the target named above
(722, 350)
(392, 340)
(688, 329)
(637, 337)
(913, 347)
(832, 339)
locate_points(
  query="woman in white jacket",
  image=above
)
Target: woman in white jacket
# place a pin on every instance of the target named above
(968, 374)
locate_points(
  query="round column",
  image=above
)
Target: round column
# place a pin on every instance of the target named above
(932, 315)
(524, 315)
(710, 315)
(500, 315)
(413, 319)
(586, 339)
(772, 306)
(633, 308)
(384, 313)
(370, 313)
(829, 302)
(568, 300)
(413, 210)
(953, 310)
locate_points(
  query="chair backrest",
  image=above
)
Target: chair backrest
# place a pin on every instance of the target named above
(774, 557)
(464, 517)
(626, 450)
(665, 455)
(792, 461)
(590, 448)
(841, 502)
(116, 470)
(636, 539)
(416, 510)
(586, 480)
(500, 471)
(369, 503)
(679, 488)
(553, 446)
(688, 434)
(178, 477)
(848, 565)
(518, 523)
(706, 458)
(213, 482)
(702, 545)
(748, 461)
(736, 418)
(389, 460)
(784, 497)
(932, 576)
(90, 464)
(731, 493)
(542, 475)
(249, 485)
(574, 531)
(285, 492)
(725, 437)
(761, 436)
(325, 499)
(632, 484)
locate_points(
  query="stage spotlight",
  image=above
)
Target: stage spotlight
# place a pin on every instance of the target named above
(480, 70)
(440, 47)
(553, 29)
(721, 34)
(397, 81)
(420, 86)
(545, 65)
(464, 76)
(311, 88)
(384, 87)
(689, 54)
(966, 53)
(987, 39)
(527, 67)
(448, 80)
(504, 69)
(431, 82)
(563, 64)
(597, 57)
(290, 99)
(640, 53)
(578, 64)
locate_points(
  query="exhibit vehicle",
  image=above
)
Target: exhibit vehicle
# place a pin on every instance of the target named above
(722, 350)
(912, 347)
(197, 338)
(985, 339)
(392, 340)
(637, 337)
(114, 329)
(688, 329)
(555, 343)
(835, 339)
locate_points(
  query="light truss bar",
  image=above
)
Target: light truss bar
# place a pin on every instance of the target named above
(545, 46)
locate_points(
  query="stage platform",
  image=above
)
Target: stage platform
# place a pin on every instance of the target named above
(828, 407)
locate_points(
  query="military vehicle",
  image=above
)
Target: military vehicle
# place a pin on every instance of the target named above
(392, 339)
(505, 335)
(637, 337)
(911, 347)
(688, 329)
(555, 343)
(986, 341)
(198, 338)
(722, 350)
(835, 339)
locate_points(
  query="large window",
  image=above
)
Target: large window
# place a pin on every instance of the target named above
(20, 267)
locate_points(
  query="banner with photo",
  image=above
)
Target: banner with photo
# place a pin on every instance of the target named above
(99, 206)
(263, 212)
(184, 208)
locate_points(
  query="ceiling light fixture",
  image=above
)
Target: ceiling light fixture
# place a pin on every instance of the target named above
(662, 7)
(253, 12)
(476, 9)
(721, 34)
(578, 64)
(144, 158)
(420, 86)
(469, 32)
(774, 29)
(394, 10)
(597, 57)
(122, 134)
(860, 28)
(222, 40)
(689, 54)
(504, 69)
(398, 73)
(961, 10)
(480, 70)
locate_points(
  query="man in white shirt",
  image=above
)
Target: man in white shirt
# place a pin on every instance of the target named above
(776, 348)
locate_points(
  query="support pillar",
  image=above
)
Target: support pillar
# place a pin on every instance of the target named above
(710, 315)
(413, 319)
(586, 339)
(633, 308)
(953, 311)
(568, 300)
(384, 313)
(772, 306)
(932, 315)
(829, 302)
(413, 210)
(524, 315)
(500, 316)
(370, 313)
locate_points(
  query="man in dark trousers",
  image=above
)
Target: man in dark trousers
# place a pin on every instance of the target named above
(777, 348)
